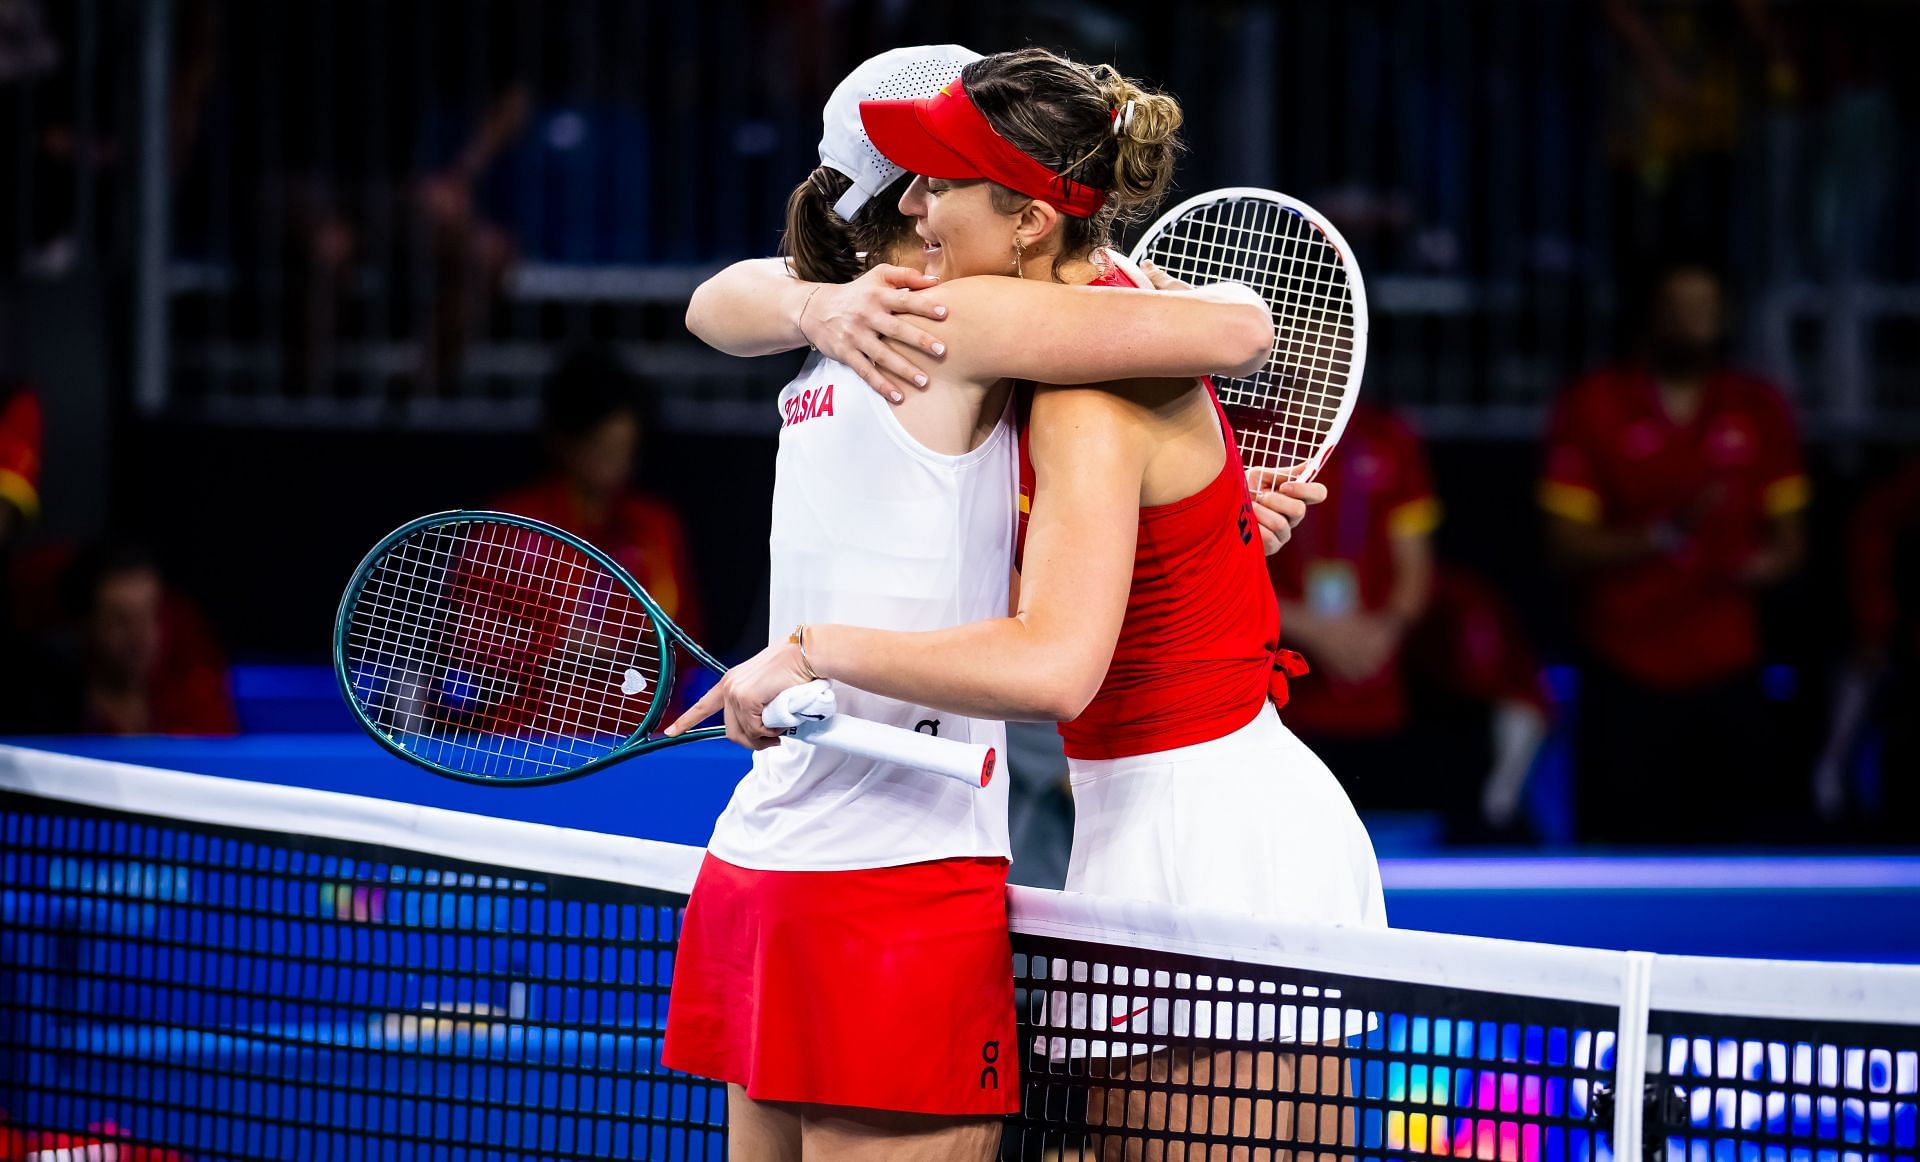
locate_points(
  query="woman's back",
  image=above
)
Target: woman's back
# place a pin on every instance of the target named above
(870, 524)
(1195, 653)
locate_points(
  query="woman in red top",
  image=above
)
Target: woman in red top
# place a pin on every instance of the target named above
(1146, 624)
(596, 420)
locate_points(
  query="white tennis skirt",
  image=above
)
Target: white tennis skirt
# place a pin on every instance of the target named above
(1252, 822)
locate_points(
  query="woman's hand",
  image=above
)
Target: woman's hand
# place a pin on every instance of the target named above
(1280, 503)
(1161, 280)
(852, 321)
(744, 691)
(1361, 644)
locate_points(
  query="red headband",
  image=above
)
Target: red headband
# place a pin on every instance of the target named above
(946, 136)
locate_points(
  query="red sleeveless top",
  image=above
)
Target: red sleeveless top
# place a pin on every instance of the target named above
(1200, 641)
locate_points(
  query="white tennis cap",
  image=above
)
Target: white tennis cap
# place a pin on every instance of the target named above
(901, 74)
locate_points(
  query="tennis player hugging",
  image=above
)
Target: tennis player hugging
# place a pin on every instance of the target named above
(844, 965)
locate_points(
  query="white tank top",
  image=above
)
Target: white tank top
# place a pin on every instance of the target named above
(870, 528)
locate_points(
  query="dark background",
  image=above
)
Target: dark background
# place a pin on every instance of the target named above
(1503, 169)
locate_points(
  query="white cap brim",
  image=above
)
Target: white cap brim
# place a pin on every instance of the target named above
(898, 74)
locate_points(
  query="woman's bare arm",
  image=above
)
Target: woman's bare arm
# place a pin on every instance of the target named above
(750, 308)
(1001, 327)
(758, 307)
(884, 325)
(1046, 661)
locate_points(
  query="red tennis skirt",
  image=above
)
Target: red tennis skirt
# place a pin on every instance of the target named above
(883, 988)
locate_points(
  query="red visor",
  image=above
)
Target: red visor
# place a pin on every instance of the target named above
(945, 136)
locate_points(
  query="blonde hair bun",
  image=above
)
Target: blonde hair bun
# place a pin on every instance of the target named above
(1149, 138)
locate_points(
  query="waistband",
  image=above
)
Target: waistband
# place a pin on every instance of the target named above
(1255, 735)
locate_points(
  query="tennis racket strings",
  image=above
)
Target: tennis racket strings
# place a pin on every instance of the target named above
(491, 648)
(1290, 411)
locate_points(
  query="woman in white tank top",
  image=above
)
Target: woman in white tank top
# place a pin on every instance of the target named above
(842, 898)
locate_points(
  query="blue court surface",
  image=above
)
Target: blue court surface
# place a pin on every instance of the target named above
(1789, 906)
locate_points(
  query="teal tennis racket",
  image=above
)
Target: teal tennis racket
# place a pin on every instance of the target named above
(494, 648)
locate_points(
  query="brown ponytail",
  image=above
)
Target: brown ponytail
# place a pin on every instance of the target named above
(823, 246)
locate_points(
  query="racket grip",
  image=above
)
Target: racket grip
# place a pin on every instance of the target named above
(970, 762)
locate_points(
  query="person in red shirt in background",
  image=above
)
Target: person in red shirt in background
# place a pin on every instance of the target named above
(1351, 584)
(1420, 672)
(1480, 704)
(19, 461)
(99, 644)
(19, 505)
(1880, 684)
(1674, 493)
(112, 650)
(597, 417)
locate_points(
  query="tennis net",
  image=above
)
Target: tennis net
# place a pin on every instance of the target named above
(195, 968)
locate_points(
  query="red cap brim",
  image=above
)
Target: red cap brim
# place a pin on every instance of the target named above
(946, 136)
(899, 131)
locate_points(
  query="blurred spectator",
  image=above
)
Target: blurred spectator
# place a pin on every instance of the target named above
(597, 417)
(1674, 492)
(1871, 765)
(68, 151)
(468, 255)
(120, 653)
(19, 461)
(1420, 670)
(455, 255)
(1354, 579)
(363, 233)
(27, 48)
(1479, 703)
(1679, 111)
(1835, 207)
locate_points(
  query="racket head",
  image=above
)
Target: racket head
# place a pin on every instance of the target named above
(493, 648)
(1289, 413)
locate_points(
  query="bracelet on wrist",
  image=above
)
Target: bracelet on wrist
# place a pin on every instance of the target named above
(799, 638)
(800, 320)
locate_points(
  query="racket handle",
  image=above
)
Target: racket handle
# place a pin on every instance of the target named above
(970, 762)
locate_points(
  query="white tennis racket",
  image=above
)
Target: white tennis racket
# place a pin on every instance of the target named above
(1290, 413)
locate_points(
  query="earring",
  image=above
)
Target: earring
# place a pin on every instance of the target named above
(1019, 257)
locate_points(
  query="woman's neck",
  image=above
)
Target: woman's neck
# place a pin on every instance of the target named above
(1071, 271)
(953, 418)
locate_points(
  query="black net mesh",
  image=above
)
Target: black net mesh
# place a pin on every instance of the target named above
(174, 990)
(1777, 1089)
(222, 993)
(1137, 1053)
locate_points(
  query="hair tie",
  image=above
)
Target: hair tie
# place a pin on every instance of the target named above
(1122, 119)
